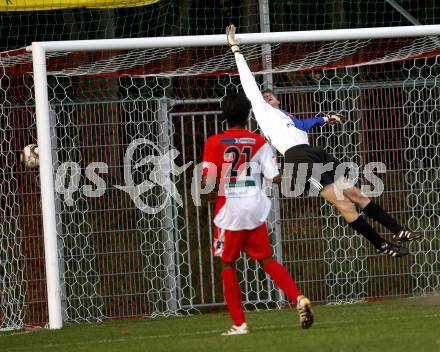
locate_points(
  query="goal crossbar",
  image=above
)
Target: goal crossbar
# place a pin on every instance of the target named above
(250, 38)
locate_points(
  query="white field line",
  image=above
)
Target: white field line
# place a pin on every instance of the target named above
(201, 333)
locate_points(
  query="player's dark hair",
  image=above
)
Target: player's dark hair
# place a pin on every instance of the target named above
(235, 109)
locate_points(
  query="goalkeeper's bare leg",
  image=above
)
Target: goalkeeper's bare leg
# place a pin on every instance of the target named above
(376, 212)
(348, 211)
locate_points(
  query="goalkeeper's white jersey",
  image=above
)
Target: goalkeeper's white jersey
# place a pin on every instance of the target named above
(277, 126)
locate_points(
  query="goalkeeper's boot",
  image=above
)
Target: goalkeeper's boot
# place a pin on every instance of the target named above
(392, 249)
(406, 235)
(237, 330)
(304, 308)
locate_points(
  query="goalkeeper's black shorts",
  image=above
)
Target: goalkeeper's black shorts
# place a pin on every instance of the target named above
(313, 168)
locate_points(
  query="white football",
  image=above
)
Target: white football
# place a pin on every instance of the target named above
(29, 156)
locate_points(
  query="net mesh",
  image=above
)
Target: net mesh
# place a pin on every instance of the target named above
(185, 17)
(119, 259)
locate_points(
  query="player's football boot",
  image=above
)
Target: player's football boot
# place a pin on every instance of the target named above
(392, 249)
(406, 235)
(237, 330)
(304, 308)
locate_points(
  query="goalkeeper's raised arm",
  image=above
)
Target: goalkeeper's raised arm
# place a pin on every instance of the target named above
(282, 128)
(262, 110)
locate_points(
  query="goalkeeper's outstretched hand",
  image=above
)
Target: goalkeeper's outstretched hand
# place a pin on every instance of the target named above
(333, 118)
(230, 35)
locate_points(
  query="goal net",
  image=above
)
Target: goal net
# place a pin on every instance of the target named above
(124, 122)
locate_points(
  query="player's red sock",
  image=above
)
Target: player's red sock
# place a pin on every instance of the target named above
(232, 293)
(282, 278)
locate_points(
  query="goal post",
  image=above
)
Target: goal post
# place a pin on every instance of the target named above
(121, 261)
(248, 38)
(42, 114)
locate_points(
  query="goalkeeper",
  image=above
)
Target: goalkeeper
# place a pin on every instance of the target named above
(289, 136)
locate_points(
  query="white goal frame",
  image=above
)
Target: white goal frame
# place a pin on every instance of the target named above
(39, 50)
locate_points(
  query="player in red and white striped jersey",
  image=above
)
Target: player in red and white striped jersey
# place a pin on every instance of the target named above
(237, 159)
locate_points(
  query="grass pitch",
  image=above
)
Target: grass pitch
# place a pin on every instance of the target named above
(401, 325)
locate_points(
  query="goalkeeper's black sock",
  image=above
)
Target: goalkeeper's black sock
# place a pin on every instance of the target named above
(376, 212)
(361, 226)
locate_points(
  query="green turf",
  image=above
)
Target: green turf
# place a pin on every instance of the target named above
(404, 325)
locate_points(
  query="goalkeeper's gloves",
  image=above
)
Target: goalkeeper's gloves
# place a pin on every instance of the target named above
(230, 35)
(333, 118)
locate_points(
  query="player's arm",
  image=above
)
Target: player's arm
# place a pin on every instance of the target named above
(260, 108)
(333, 118)
(204, 181)
(308, 124)
(277, 179)
(269, 167)
(211, 196)
(209, 171)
